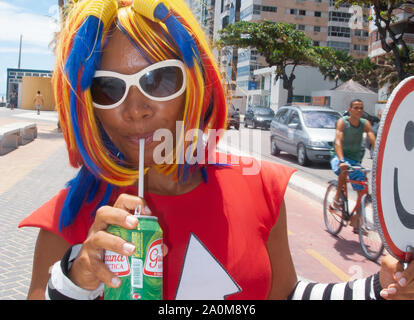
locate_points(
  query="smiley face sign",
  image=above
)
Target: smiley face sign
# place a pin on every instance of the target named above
(393, 172)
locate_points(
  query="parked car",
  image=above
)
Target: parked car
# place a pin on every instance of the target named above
(234, 118)
(305, 131)
(258, 116)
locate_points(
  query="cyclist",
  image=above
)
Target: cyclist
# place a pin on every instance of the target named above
(348, 150)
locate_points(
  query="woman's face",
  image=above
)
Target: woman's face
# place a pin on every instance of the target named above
(138, 116)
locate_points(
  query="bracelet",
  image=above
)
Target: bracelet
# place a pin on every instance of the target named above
(60, 287)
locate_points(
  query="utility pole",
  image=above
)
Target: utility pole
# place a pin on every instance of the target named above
(20, 52)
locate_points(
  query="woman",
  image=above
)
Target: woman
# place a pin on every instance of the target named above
(124, 72)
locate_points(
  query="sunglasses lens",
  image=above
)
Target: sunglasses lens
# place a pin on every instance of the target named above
(162, 82)
(107, 90)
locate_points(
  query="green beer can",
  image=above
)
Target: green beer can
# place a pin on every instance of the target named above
(141, 273)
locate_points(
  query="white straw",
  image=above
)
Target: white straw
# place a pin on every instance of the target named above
(141, 168)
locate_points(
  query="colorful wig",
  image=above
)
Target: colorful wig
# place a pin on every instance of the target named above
(79, 51)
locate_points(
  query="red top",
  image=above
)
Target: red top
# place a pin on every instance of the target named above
(216, 234)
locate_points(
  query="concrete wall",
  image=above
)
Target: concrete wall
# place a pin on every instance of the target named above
(340, 100)
(30, 86)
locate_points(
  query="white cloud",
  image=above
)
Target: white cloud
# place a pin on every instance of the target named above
(37, 30)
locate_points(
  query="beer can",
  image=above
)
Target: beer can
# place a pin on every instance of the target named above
(141, 273)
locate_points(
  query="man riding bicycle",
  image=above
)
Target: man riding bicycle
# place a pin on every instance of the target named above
(348, 150)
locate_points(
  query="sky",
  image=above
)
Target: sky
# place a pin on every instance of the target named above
(36, 20)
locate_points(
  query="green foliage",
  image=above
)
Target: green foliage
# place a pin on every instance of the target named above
(392, 42)
(281, 44)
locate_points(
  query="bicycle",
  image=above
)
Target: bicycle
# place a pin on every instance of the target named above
(335, 219)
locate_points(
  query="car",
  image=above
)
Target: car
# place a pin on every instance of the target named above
(307, 132)
(234, 118)
(372, 119)
(258, 116)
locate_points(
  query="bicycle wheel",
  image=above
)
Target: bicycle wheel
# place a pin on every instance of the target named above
(369, 238)
(332, 218)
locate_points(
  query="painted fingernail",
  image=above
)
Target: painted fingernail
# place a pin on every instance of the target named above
(128, 247)
(384, 293)
(131, 220)
(402, 282)
(397, 275)
(147, 210)
(392, 290)
(116, 282)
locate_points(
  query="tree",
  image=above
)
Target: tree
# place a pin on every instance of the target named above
(281, 44)
(391, 40)
(335, 65)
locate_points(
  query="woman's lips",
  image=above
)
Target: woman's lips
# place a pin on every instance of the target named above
(135, 138)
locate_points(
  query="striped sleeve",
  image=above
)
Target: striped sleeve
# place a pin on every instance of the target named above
(361, 289)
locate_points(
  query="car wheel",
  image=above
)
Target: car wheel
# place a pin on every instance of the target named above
(254, 124)
(245, 123)
(274, 150)
(302, 157)
(237, 126)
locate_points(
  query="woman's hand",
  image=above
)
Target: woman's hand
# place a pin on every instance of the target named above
(89, 270)
(397, 283)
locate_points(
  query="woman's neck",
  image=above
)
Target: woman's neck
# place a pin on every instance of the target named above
(158, 183)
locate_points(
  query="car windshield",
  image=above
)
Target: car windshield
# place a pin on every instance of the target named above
(264, 111)
(320, 119)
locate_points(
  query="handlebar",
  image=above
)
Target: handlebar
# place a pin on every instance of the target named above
(357, 168)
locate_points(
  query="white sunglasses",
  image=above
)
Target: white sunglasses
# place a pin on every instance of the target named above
(161, 81)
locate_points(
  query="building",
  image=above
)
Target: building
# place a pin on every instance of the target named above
(344, 28)
(203, 11)
(404, 22)
(26, 83)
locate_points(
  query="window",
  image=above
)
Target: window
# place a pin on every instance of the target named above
(269, 9)
(294, 11)
(339, 16)
(316, 43)
(339, 32)
(337, 45)
(294, 118)
(282, 115)
(302, 12)
(318, 14)
(301, 27)
(317, 28)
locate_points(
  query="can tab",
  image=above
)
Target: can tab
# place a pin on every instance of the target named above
(138, 210)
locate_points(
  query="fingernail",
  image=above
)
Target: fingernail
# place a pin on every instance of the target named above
(392, 290)
(397, 275)
(128, 247)
(116, 282)
(402, 282)
(131, 220)
(384, 293)
(147, 210)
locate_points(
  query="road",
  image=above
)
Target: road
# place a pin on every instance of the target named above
(317, 255)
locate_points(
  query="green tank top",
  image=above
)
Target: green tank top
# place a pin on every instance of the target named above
(352, 142)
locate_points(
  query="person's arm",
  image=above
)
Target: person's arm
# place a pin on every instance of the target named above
(285, 284)
(284, 277)
(49, 249)
(370, 133)
(339, 137)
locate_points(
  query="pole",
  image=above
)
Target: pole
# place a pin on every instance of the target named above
(20, 52)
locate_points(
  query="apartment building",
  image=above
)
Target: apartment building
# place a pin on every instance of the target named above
(344, 28)
(404, 22)
(203, 11)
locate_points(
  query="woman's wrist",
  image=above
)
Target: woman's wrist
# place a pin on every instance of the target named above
(61, 287)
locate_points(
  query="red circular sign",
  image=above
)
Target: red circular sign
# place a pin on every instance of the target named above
(393, 172)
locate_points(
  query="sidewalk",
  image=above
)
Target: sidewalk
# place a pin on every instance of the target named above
(30, 175)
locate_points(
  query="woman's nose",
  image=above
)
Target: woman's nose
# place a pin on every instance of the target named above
(137, 106)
